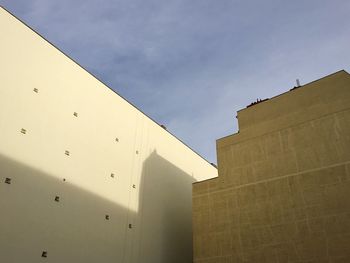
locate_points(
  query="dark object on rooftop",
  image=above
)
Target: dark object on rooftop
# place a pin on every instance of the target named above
(7, 180)
(256, 102)
(295, 87)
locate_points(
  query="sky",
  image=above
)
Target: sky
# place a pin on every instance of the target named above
(192, 64)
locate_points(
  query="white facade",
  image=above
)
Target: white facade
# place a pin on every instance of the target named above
(85, 176)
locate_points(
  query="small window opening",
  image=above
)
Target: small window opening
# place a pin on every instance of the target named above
(7, 180)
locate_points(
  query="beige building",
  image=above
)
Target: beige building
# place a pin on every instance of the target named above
(84, 175)
(283, 191)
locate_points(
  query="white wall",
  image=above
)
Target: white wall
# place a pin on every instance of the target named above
(75, 229)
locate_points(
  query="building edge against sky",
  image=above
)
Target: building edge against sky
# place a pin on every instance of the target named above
(282, 194)
(85, 176)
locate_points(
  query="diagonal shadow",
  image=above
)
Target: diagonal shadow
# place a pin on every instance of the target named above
(74, 229)
(165, 212)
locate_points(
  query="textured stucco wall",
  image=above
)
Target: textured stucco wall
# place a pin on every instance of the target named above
(65, 134)
(283, 191)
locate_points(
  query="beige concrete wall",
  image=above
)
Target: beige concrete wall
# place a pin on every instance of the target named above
(283, 191)
(110, 159)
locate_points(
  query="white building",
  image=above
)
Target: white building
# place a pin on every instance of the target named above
(85, 176)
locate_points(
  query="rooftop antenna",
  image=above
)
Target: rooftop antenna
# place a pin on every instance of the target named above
(298, 83)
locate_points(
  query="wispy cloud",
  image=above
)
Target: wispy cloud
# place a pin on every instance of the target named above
(192, 64)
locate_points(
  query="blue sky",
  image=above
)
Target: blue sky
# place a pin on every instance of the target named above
(190, 65)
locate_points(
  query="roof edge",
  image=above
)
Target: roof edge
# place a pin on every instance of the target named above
(311, 82)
